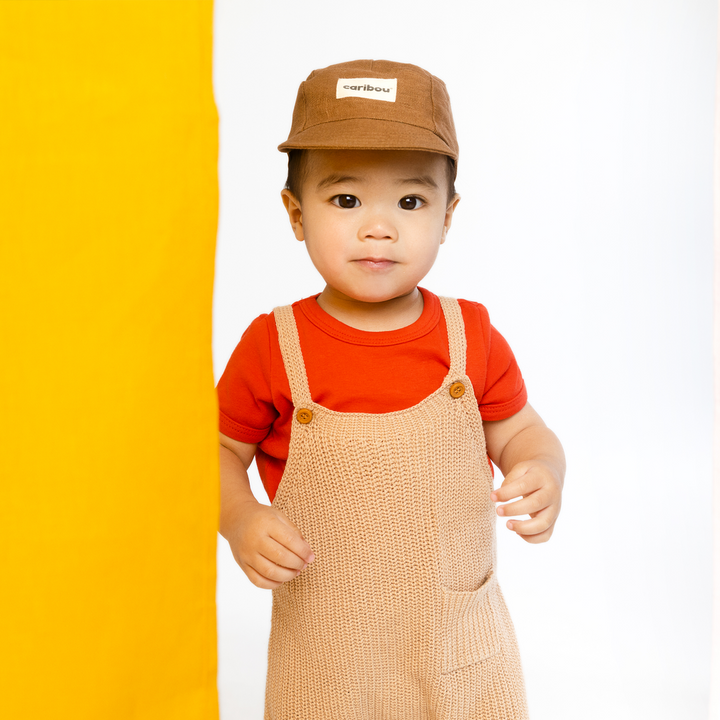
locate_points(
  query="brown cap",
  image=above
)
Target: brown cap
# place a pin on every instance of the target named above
(372, 105)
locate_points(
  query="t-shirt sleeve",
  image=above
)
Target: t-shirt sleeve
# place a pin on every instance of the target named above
(244, 391)
(492, 366)
(504, 393)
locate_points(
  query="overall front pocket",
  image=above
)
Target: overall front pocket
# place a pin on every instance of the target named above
(471, 625)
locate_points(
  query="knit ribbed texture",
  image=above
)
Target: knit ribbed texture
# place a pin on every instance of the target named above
(400, 616)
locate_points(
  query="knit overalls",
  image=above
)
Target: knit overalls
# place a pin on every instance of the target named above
(400, 616)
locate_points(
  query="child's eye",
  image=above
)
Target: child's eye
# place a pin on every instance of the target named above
(346, 201)
(410, 202)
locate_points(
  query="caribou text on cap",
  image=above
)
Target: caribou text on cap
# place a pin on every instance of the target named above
(368, 88)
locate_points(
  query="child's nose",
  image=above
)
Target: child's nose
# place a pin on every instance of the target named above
(377, 227)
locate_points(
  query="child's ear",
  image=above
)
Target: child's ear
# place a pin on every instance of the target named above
(294, 211)
(448, 216)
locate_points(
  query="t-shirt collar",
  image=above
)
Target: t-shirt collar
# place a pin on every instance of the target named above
(427, 322)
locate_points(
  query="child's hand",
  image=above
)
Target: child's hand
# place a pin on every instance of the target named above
(268, 546)
(541, 488)
(533, 461)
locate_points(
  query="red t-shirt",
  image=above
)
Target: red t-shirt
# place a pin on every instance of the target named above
(353, 370)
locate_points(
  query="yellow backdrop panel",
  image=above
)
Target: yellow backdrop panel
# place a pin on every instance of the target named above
(108, 465)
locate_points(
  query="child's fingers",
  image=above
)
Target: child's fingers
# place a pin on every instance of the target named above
(273, 563)
(279, 554)
(515, 485)
(269, 547)
(532, 503)
(536, 529)
(272, 571)
(267, 576)
(287, 534)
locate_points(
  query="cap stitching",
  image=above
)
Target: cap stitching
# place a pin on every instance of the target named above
(382, 74)
(432, 101)
(305, 111)
(395, 122)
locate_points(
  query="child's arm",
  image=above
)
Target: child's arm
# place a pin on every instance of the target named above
(533, 462)
(265, 543)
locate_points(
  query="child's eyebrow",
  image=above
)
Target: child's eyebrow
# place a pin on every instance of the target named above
(335, 179)
(419, 180)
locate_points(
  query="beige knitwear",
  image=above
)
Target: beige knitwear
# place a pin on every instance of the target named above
(400, 616)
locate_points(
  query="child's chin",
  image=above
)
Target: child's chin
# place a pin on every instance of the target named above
(380, 296)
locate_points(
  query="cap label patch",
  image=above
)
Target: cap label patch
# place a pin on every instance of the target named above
(370, 88)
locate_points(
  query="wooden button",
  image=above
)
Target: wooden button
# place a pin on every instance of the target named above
(457, 389)
(304, 416)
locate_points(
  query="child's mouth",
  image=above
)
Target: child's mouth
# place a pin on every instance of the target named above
(375, 263)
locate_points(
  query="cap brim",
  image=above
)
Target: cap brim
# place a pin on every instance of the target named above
(367, 134)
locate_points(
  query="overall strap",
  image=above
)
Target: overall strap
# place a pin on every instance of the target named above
(456, 334)
(292, 355)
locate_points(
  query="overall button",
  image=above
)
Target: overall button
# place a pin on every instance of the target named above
(456, 390)
(305, 416)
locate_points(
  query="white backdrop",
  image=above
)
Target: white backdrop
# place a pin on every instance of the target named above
(585, 227)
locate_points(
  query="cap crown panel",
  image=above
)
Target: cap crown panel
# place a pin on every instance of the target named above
(411, 106)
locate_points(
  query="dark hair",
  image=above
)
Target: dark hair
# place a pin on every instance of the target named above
(297, 170)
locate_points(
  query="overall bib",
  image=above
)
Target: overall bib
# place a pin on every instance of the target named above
(400, 616)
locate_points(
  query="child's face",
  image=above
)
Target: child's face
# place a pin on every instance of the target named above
(372, 220)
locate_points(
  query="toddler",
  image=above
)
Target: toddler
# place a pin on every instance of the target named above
(373, 410)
